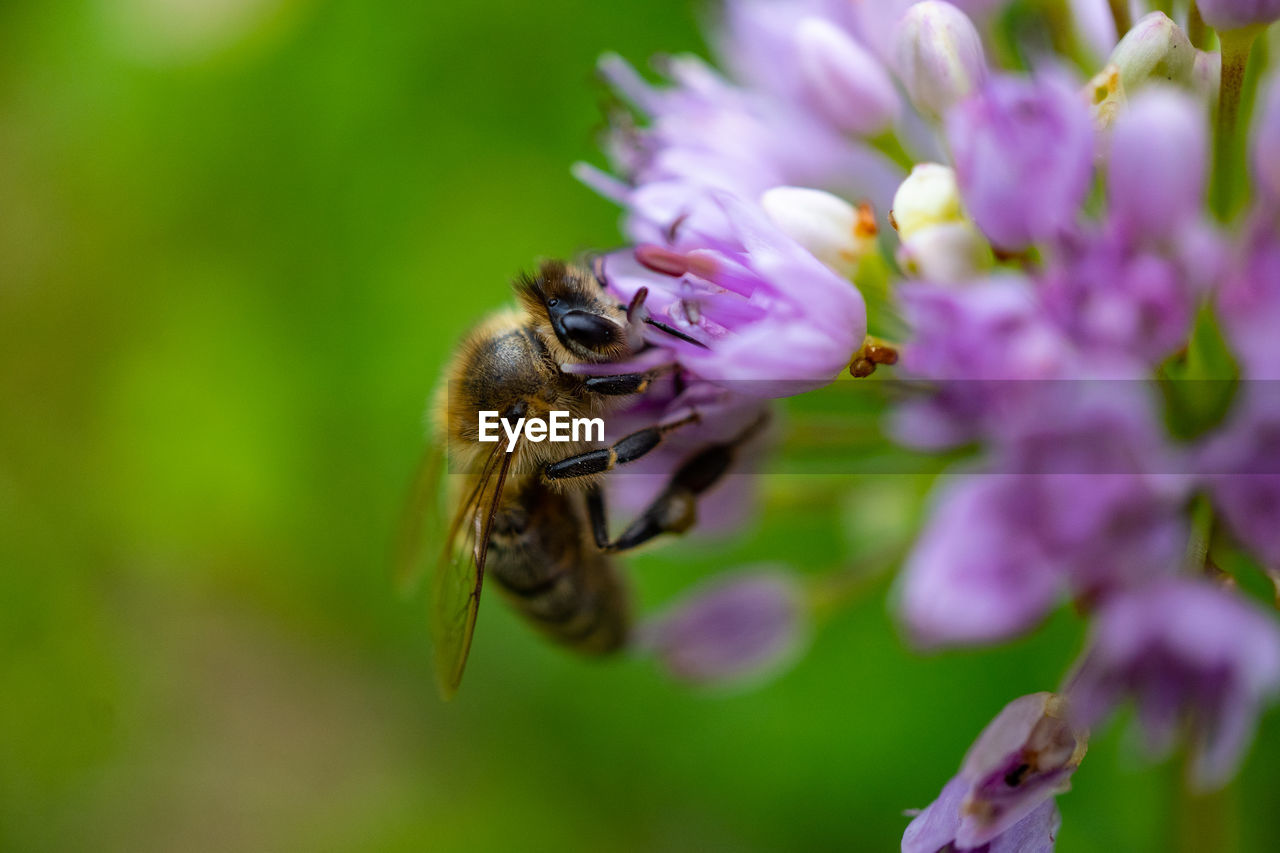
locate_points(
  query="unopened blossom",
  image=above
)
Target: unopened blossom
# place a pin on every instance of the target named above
(939, 243)
(929, 196)
(834, 231)
(771, 318)
(1266, 140)
(939, 56)
(1156, 50)
(1023, 151)
(1003, 794)
(876, 21)
(732, 629)
(1188, 653)
(951, 253)
(1158, 163)
(844, 82)
(1235, 14)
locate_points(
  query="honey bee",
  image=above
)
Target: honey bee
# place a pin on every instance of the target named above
(533, 517)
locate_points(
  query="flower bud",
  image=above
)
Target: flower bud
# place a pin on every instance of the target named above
(1266, 141)
(946, 254)
(938, 55)
(846, 83)
(1159, 160)
(1023, 152)
(730, 630)
(834, 231)
(929, 196)
(1234, 14)
(1156, 49)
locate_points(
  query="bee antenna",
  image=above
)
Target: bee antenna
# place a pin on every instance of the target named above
(675, 333)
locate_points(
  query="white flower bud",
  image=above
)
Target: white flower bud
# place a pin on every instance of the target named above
(929, 196)
(1156, 49)
(834, 231)
(938, 56)
(946, 254)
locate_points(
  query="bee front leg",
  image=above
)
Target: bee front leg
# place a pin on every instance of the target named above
(676, 509)
(624, 450)
(620, 385)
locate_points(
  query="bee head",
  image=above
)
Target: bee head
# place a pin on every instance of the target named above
(571, 305)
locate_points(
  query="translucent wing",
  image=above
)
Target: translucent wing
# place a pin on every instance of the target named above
(422, 525)
(459, 575)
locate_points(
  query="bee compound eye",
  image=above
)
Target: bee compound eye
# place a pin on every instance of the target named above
(589, 330)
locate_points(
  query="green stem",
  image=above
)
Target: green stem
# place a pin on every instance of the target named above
(1064, 35)
(1196, 30)
(1120, 13)
(1236, 45)
(1206, 820)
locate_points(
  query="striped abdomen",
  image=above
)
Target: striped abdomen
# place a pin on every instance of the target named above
(566, 588)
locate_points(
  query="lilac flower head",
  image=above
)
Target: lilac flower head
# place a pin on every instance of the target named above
(1158, 163)
(1006, 785)
(732, 630)
(706, 135)
(1187, 651)
(1234, 14)
(770, 315)
(1023, 151)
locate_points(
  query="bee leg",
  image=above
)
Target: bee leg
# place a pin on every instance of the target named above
(598, 517)
(676, 509)
(626, 449)
(620, 385)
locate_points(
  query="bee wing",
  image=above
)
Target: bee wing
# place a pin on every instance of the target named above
(422, 521)
(459, 575)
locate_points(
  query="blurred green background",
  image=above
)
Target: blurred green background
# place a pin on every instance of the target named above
(237, 241)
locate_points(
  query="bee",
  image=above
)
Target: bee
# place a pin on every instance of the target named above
(533, 518)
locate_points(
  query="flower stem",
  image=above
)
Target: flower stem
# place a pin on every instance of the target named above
(1236, 45)
(1196, 30)
(1120, 12)
(1207, 821)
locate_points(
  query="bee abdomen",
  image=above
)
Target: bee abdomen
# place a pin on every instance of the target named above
(583, 607)
(566, 589)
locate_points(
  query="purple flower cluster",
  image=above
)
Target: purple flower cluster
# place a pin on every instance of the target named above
(1075, 316)
(1080, 490)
